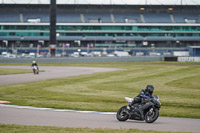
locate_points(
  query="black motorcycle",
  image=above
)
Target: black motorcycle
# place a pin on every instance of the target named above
(151, 113)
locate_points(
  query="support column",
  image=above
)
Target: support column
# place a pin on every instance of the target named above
(52, 36)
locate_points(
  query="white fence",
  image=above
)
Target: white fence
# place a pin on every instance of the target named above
(189, 59)
(181, 53)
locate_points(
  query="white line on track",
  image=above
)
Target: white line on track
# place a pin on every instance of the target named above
(56, 110)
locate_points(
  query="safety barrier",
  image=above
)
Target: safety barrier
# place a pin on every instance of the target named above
(189, 59)
(81, 59)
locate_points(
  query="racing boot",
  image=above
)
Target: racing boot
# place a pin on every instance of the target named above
(128, 107)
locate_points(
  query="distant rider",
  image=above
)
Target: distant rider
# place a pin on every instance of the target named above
(142, 98)
(34, 63)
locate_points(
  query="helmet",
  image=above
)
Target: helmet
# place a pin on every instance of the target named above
(149, 89)
(34, 62)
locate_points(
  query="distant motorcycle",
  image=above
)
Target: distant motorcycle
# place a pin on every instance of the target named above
(35, 70)
(150, 114)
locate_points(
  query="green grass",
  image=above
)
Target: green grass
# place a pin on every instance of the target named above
(48, 129)
(177, 85)
(8, 71)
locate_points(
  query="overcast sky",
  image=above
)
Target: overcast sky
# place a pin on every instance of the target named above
(123, 2)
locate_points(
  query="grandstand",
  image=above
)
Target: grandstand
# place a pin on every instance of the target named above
(101, 25)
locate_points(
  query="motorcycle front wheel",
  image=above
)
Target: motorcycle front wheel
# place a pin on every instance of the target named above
(151, 115)
(122, 114)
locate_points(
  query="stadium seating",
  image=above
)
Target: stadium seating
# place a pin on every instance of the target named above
(43, 16)
(157, 18)
(68, 17)
(183, 17)
(9, 17)
(127, 17)
(79, 25)
(97, 17)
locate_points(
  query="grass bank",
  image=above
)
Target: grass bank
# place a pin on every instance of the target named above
(177, 84)
(48, 129)
(6, 71)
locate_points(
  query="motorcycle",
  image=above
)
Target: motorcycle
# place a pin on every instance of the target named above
(151, 111)
(35, 70)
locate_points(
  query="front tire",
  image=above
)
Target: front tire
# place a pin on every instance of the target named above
(151, 116)
(122, 114)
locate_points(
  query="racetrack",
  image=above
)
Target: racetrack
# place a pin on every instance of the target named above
(49, 73)
(66, 118)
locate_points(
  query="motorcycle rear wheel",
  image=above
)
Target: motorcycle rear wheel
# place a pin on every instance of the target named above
(151, 117)
(122, 114)
(35, 71)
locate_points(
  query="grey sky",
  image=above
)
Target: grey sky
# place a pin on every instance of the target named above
(122, 2)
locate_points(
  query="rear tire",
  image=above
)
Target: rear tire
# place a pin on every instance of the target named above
(122, 114)
(150, 118)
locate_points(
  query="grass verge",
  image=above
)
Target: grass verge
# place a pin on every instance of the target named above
(48, 129)
(8, 71)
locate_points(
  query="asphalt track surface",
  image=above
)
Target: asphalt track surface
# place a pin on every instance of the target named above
(68, 118)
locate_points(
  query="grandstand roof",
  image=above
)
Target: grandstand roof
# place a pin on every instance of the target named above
(107, 2)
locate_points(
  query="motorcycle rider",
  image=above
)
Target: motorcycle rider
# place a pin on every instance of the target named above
(34, 63)
(142, 98)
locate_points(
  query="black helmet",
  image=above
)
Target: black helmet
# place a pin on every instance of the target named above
(149, 89)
